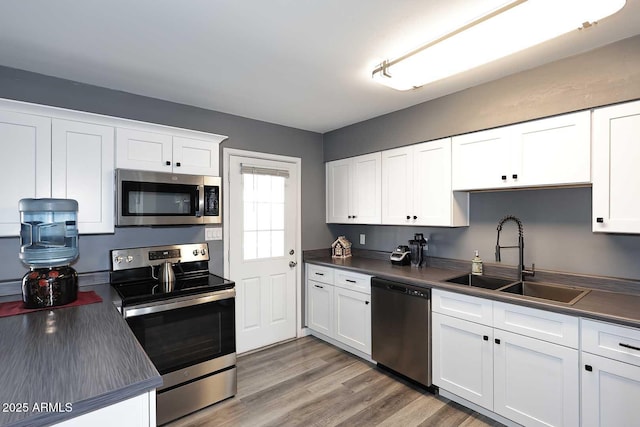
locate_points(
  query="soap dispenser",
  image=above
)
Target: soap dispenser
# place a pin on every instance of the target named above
(476, 265)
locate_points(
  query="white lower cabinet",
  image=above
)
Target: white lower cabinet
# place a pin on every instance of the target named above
(320, 307)
(139, 411)
(463, 358)
(528, 380)
(610, 372)
(339, 307)
(353, 318)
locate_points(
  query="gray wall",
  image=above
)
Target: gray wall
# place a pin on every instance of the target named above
(243, 134)
(557, 222)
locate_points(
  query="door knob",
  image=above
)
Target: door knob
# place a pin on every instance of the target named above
(292, 264)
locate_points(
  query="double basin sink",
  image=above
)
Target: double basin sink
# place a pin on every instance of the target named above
(545, 291)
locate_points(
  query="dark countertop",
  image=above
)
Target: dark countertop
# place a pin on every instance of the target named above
(609, 306)
(86, 356)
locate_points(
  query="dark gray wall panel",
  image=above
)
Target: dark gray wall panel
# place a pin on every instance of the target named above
(243, 133)
(557, 234)
(603, 76)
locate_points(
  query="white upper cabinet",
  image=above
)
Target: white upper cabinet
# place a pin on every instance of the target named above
(353, 190)
(83, 159)
(416, 186)
(481, 160)
(616, 175)
(547, 152)
(26, 173)
(160, 152)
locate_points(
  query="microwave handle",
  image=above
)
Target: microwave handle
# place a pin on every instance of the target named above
(200, 211)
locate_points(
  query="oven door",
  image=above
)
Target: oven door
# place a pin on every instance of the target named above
(197, 331)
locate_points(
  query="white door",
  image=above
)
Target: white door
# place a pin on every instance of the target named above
(262, 249)
(463, 359)
(26, 171)
(82, 155)
(610, 391)
(397, 186)
(536, 383)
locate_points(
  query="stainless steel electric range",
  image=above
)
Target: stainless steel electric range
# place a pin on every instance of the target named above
(185, 321)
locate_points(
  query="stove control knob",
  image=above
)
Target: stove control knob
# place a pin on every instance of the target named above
(203, 252)
(195, 252)
(129, 258)
(118, 259)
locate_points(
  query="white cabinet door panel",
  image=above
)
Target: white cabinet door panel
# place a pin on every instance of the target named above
(367, 205)
(83, 155)
(610, 392)
(195, 157)
(142, 150)
(338, 189)
(463, 359)
(320, 306)
(353, 319)
(481, 159)
(27, 173)
(616, 193)
(554, 151)
(397, 186)
(536, 383)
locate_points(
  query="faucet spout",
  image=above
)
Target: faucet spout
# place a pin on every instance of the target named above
(521, 269)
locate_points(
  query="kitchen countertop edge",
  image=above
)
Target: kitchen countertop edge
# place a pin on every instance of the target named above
(597, 305)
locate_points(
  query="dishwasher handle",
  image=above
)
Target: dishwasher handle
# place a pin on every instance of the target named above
(397, 288)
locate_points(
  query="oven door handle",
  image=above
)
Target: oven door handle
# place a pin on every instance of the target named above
(158, 307)
(200, 211)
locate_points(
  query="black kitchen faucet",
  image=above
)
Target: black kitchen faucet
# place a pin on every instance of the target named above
(521, 270)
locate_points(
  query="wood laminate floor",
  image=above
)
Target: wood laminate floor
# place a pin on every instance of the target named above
(307, 382)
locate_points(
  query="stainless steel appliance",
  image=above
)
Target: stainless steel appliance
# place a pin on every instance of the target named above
(187, 332)
(401, 328)
(157, 198)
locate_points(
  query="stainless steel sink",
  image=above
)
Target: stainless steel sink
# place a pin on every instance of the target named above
(486, 282)
(562, 294)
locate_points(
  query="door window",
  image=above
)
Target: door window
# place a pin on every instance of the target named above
(263, 206)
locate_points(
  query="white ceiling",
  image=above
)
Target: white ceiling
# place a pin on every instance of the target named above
(300, 63)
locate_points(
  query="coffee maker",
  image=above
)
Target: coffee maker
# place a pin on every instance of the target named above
(48, 244)
(417, 245)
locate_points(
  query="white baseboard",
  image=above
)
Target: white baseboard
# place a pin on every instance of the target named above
(340, 345)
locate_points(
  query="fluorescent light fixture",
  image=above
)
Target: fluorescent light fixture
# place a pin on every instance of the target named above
(510, 28)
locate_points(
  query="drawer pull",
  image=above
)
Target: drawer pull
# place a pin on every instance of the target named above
(497, 340)
(319, 287)
(485, 337)
(629, 346)
(350, 281)
(319, 274)
(588, 368)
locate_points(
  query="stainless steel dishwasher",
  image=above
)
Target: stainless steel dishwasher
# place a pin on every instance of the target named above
(401, 328)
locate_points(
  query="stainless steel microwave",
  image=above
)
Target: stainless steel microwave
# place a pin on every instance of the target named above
(158, 198)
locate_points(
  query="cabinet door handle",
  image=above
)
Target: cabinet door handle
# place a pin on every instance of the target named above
(485, 337)
(629, 346)
(600, 219)
(350, 281)
(588, 368)
(349, 216)
(366, 302)
(353, 216)
(319, 287)
(497, 341)
(319, 274)
(504, 177)
(408, 216)
(168, 163)
(514, 176)
(415, 217)
(178, 164)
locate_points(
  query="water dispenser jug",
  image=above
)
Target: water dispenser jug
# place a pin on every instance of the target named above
(48, 232)
(48, 243)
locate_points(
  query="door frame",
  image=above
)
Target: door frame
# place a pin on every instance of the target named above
(296, 162)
